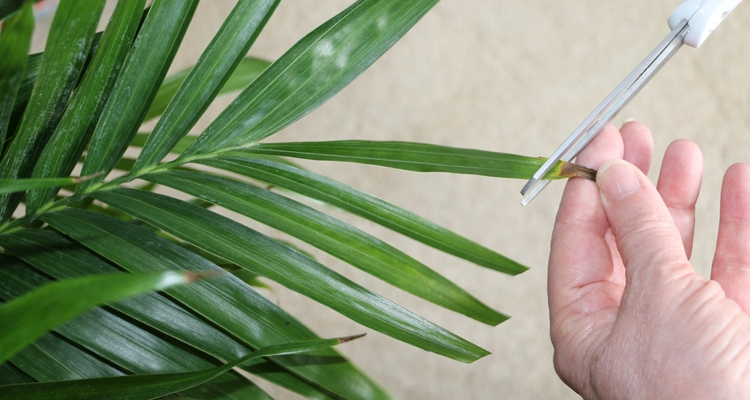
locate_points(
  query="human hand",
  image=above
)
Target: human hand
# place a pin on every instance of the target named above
(630, 318)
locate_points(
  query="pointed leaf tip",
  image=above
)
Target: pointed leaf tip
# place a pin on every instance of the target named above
(350, 338)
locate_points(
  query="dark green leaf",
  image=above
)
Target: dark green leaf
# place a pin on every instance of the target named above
(15, 39)
(367, 206)
(225, 300)
(336, 238)
(8, 7)
(255, 252)
(51, 359)
(61, 258)
(148, 386)
(37, 312)
(312, 71)
(9, 374)
(200, 87)
(146, 65)
(127, 345)
(418, 157)
(77, 125)
(69, 41)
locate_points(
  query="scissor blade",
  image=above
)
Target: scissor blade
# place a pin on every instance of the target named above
(608, 109)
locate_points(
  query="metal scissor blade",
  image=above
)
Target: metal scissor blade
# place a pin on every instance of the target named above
(608, 109)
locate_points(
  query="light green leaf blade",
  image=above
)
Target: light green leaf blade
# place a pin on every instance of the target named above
(70, 39)
(148, 386)
(213, 69)
(15, 39)
(225, 300)
(127, 345)
(21, 185)
(146, 65)
(418, 157)
(312, 71)
(367, 206)
(36, 313)
(59, 257)
(77, 125)
(332, 236)
(245, 73)
(255, 252)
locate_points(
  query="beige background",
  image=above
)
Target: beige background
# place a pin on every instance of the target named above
(510, 76)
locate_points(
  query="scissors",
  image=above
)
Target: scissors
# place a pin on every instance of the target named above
(691, 24)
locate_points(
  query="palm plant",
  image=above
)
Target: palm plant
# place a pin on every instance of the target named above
(111, 234)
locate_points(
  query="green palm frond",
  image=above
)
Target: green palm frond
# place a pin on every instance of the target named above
(82, 103)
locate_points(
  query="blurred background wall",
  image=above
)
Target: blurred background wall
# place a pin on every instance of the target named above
(508, 76)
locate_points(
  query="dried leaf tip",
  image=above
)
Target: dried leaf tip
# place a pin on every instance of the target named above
(196, 276)
(350, 338)
(570, 169)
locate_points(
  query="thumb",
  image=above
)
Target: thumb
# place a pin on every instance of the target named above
(647, 238)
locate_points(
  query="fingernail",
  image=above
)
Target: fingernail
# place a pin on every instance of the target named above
(628, 120)
(617, 179)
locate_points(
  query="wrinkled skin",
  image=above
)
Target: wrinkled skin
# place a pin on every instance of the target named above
(630, 317)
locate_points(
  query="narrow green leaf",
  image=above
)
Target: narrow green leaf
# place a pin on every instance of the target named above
(70, 38)
(147, 63)
(245, 73)
(367, 206)
(149, 386)
(77, 125)
(15, 39)
(225, 300)
(255, 252)
(211, 72)
(36, 313)
(312, 71)
(418, 157)
(127, 345)
(332, 236)
(60, 258)
(20, 185)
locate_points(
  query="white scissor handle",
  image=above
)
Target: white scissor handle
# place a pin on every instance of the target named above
(703, 17)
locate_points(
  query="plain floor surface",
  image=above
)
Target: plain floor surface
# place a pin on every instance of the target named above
(508, 76)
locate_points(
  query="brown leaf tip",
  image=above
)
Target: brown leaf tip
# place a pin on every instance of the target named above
(570, 169)
(350, 338)
(196, 276)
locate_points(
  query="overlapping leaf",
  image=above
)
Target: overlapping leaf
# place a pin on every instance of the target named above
(203, 83)
(36, 313)
(70, 38)
(340, 240)
(77, 125)
(367, 206)
(15, 39)
(255, 252)
(150, 386)
(225, 300)
(145, 68)
(126, 344)
(312, 71)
